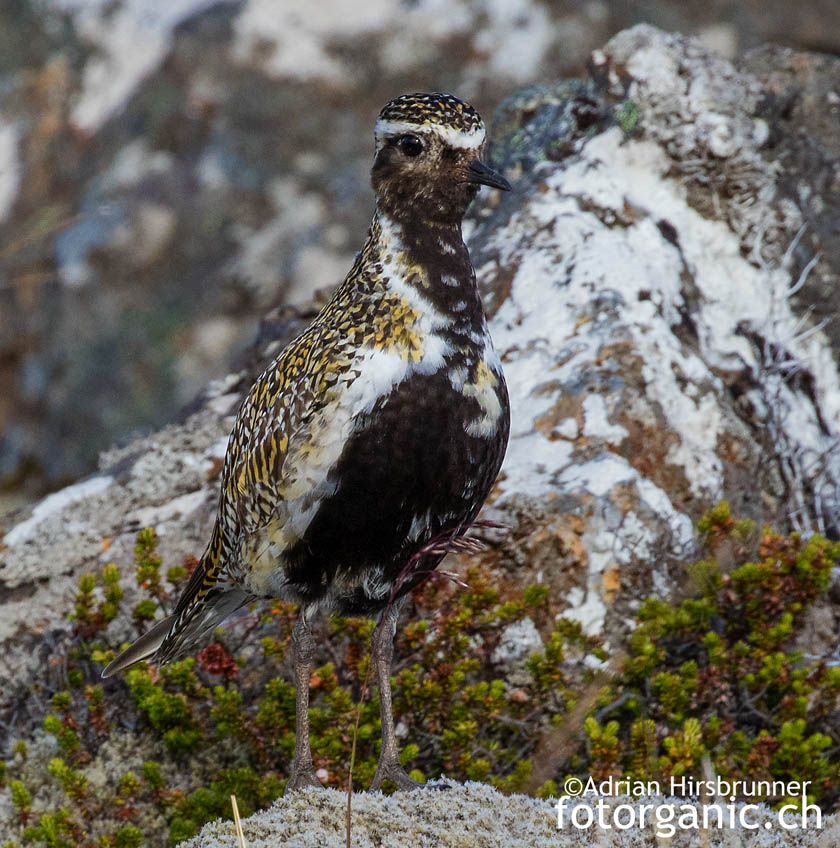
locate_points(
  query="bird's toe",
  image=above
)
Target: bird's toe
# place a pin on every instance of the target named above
(394, 772)
(301, 778)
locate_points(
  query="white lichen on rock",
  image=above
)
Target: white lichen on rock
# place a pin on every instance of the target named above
(517, 642)
(130, 41)
(53, 504)
(297, 39)
(473, 815)
(10, 168)
(632, 304)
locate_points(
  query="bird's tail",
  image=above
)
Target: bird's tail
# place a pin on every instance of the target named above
(191, 628)
(179, 635)
(143, 648)
(205, 603)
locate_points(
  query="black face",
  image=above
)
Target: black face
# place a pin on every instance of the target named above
(417, 175)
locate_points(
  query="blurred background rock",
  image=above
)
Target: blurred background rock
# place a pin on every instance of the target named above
(172, 172)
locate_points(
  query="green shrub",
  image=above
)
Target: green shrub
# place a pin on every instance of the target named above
(716, 676)
(713, 676)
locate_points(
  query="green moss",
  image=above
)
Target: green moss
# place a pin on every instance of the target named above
(73, 782)
(128, 836)
(145, 610)
(89, 616)
(535, 596)
(168, 713)
(57, 830)
(21, 796)
(627, 115)
(716, 519)
(152, 775)
(147, 561)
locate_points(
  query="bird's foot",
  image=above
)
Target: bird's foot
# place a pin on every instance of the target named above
(392, 770)
(301, 777)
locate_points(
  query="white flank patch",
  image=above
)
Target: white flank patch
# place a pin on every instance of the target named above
(55, 503)
(9, 167)
(458, 377)
(485, 391)
(381, 370)
(461, 139)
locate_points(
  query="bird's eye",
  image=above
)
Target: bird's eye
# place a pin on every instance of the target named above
(410, 145)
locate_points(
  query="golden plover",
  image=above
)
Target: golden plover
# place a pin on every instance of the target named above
(376, 432)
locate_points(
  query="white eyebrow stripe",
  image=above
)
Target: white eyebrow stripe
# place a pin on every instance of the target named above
(465, 139)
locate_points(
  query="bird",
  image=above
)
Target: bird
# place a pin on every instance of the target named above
(375, 434)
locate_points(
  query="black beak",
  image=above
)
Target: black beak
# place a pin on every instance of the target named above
(479, 173)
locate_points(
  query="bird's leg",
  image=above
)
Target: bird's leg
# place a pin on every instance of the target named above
(303, 769)
(382, 651)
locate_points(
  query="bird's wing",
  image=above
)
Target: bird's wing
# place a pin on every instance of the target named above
(288, 433)
(279, 405)
(276, 407)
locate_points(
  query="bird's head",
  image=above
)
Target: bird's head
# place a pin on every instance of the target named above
(427, 162)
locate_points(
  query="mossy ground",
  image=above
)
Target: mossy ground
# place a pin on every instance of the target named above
(712, 678)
